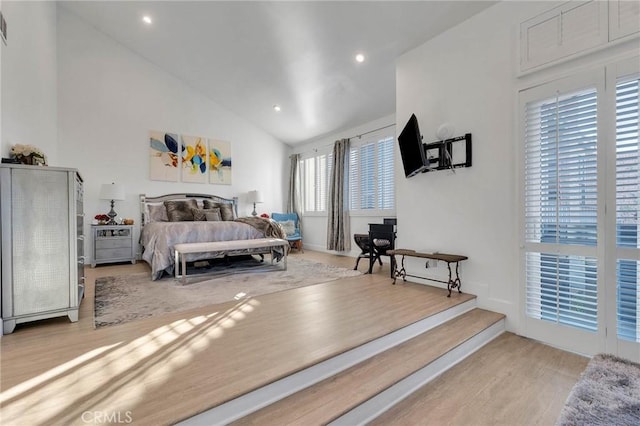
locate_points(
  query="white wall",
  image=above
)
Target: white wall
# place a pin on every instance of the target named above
(467, 77)
(28, 77)
(108, 100)
(2, 151)
(28, 80)
(314, 227)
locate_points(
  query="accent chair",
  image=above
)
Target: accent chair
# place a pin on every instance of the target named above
(291, 226)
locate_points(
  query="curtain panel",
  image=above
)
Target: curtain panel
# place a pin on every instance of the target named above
(338, 235)
(294, 199)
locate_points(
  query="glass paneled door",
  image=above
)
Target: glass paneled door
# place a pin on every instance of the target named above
(623, 278)
(561, 239)
(580, 205)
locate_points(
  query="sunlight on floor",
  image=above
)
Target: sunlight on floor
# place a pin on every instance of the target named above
(114, 378)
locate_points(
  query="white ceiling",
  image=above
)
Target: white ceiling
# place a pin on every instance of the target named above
(248, 56)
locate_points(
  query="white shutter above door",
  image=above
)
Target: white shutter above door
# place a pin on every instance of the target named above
(624, 18)
(565, 30)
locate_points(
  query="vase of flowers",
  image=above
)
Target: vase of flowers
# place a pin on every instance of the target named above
(102, 219)
(28, 154)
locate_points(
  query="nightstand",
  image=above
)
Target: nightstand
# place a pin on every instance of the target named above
(112, 243)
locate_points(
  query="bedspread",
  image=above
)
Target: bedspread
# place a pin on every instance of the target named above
(158, 239)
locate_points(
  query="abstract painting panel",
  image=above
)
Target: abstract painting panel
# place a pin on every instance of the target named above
(194, 159)
(163, 156)
(219, 162)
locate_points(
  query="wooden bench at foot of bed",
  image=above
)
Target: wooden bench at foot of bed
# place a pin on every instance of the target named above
(228, 248)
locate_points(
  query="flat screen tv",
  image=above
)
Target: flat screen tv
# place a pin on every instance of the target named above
(412, 151)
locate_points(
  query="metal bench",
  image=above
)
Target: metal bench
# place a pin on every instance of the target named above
(449, 258)
(228, 248)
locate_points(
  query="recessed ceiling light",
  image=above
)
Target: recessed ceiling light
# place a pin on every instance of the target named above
(146, 19)
(360, 57)
(276, 108)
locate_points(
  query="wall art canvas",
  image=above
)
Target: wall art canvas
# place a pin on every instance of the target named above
(163, 156)
(219, 162)
(194, 159)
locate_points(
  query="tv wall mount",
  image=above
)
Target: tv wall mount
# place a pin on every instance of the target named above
(449, 153)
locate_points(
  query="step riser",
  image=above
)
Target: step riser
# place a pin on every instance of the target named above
(273, 392)
(372, 408)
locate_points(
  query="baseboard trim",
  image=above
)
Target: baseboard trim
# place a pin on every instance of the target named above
(253, 401)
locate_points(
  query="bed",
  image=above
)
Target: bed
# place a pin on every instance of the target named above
(193, 218)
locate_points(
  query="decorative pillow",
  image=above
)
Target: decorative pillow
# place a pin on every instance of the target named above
(289, 227)
(226, 210)
(180, 211)
(157, 213)
(212, 215)
(198, 215)
(380, 242)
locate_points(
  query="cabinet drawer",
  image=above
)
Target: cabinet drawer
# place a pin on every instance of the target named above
(114, 253)
(113, 243)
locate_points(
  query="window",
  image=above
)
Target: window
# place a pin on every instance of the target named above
(315, 172)
(371, 175)
(561, 208)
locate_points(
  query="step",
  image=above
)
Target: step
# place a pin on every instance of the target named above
(261, 397)
(362, 392)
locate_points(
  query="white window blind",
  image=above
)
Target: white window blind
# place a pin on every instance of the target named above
(562, 289)
(371, 175)
(315, 172)
(627, 207)
(386, 182)
(561, 207)
(561, 172)
(627, 164)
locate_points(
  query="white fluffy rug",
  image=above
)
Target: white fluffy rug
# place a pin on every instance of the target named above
(125, 298)
(607, 394)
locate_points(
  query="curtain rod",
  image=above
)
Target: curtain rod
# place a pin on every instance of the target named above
(352, 137)
(371, 131)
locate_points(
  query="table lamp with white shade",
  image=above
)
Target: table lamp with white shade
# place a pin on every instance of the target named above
(255, 197)
(112, 191)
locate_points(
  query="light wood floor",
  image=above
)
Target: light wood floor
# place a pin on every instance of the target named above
(161, 370)
(510, 381)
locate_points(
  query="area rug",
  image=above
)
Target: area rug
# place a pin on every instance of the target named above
(607, 393)
(123, 298)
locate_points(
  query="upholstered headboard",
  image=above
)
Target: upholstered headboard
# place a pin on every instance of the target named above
(146, 201)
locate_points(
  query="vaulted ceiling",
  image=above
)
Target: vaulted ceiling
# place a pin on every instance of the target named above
(299, 55)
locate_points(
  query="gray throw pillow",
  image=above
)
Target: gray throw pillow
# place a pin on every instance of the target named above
(212, 215)
(226, 210)
(198, 215)
(180, 211)
(157, 213)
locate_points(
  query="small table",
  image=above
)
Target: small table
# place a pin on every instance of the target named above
(112, 243)
(449, 258)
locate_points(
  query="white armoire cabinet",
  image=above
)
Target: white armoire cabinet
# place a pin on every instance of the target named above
(42, 243)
